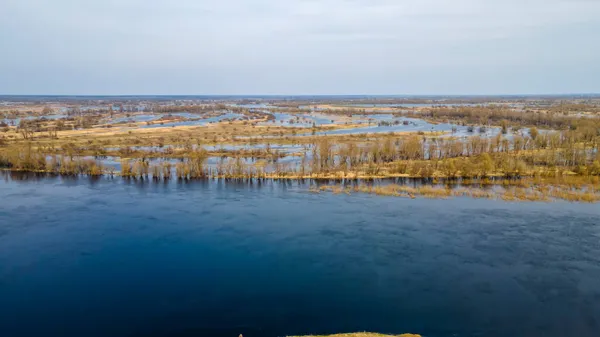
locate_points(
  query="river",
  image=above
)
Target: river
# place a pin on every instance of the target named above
(111, 257)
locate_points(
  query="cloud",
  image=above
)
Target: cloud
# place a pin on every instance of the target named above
(340, 46)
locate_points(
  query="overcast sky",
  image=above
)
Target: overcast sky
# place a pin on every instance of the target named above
(299, 46)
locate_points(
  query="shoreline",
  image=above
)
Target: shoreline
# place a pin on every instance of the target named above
(501, 189)
(360, 334)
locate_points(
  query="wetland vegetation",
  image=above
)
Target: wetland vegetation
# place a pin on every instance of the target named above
(543, 148)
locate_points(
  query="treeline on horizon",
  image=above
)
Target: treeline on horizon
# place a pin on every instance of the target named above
(555, 118)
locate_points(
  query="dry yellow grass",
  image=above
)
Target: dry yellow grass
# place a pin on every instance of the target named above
(362, 334)
(545, 194)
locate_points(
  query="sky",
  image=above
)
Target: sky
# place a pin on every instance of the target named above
(294, 47)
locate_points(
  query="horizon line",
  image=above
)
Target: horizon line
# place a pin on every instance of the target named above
(306, 95)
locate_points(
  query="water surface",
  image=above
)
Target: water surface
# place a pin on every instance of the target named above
(112, 257)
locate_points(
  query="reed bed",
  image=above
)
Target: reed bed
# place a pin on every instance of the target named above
(511, 193)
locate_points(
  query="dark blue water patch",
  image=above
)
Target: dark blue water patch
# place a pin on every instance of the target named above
(111, 257)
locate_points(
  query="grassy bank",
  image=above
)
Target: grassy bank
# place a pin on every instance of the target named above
(520, 190)
(362, 334)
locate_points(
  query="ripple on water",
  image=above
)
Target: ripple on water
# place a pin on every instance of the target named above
(214, 258)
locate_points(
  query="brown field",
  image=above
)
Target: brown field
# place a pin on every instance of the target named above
(363, 334)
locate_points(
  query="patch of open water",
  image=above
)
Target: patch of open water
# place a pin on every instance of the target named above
(113, 257)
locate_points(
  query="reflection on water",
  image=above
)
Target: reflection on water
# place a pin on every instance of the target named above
(388, 123)
(117, 257)
(17, 120)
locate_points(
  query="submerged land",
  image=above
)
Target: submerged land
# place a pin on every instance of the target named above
(512, 148)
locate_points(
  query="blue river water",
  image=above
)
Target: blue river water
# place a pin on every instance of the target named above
(112, 257)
